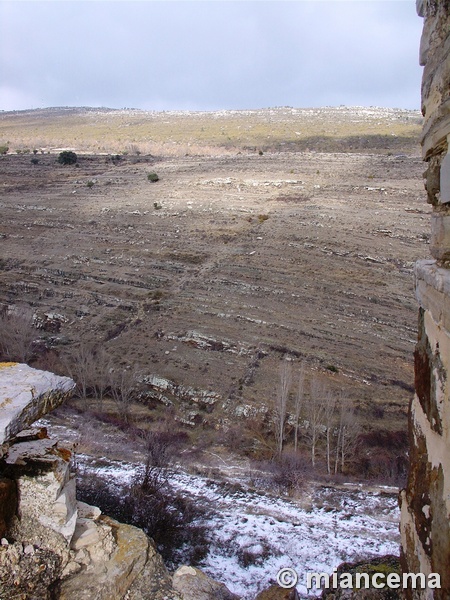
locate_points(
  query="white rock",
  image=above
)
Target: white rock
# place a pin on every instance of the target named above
(26, 394)
(86, 511)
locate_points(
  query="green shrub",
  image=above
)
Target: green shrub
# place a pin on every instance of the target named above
(153, 177)
(90, 183)
(67, 157)
(4, 149)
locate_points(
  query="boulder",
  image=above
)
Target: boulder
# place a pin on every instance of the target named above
(154, 582)
(193, 584)
(275, 592)
(110, 579)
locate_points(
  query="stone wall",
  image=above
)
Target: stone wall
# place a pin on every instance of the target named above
(425, 504)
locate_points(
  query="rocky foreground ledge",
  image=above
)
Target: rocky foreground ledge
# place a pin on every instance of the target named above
(53, 546)
(26, 394)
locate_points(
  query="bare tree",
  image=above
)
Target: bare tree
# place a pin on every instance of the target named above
(329, 424)
(347, 436)
(122, 386)
(17, 334)
(315, 411)
(100, 374)
(80, 365)
(299, 403)
(281, 404)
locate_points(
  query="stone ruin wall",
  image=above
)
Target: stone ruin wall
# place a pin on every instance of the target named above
(425, 504)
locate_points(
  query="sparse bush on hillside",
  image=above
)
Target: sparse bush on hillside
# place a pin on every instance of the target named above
(115, 158)
(290, 471)
(134, 149)
(152, 177)
(4, 149)
(67, 157)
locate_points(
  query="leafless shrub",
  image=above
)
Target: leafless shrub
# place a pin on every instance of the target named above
(382, 455)
(134, 149)
(172, 520)
(248, 557)
(160, 449)
(290, 472)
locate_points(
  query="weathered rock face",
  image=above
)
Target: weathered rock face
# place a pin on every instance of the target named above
(425, 504)
(37, 492)
(193, 584)
(130, 559)
(275, 592)
(27, 572)
(53, 546)
(26, 394)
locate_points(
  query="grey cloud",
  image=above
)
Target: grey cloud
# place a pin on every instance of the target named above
(209, 55)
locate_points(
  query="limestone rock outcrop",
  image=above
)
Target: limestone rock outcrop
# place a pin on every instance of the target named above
(425, 503)
(26, 394)
(52, 545)
(193, 584)
(119, 556)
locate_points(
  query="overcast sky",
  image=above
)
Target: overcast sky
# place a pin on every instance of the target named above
(209, 55)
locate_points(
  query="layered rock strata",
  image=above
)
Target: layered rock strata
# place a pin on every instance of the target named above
(425, 504)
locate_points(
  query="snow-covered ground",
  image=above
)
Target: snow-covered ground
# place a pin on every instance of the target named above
(255, 534)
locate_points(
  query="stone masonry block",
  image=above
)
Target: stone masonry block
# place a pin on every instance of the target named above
(432, 285)
(445, 177)
(440, 236)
